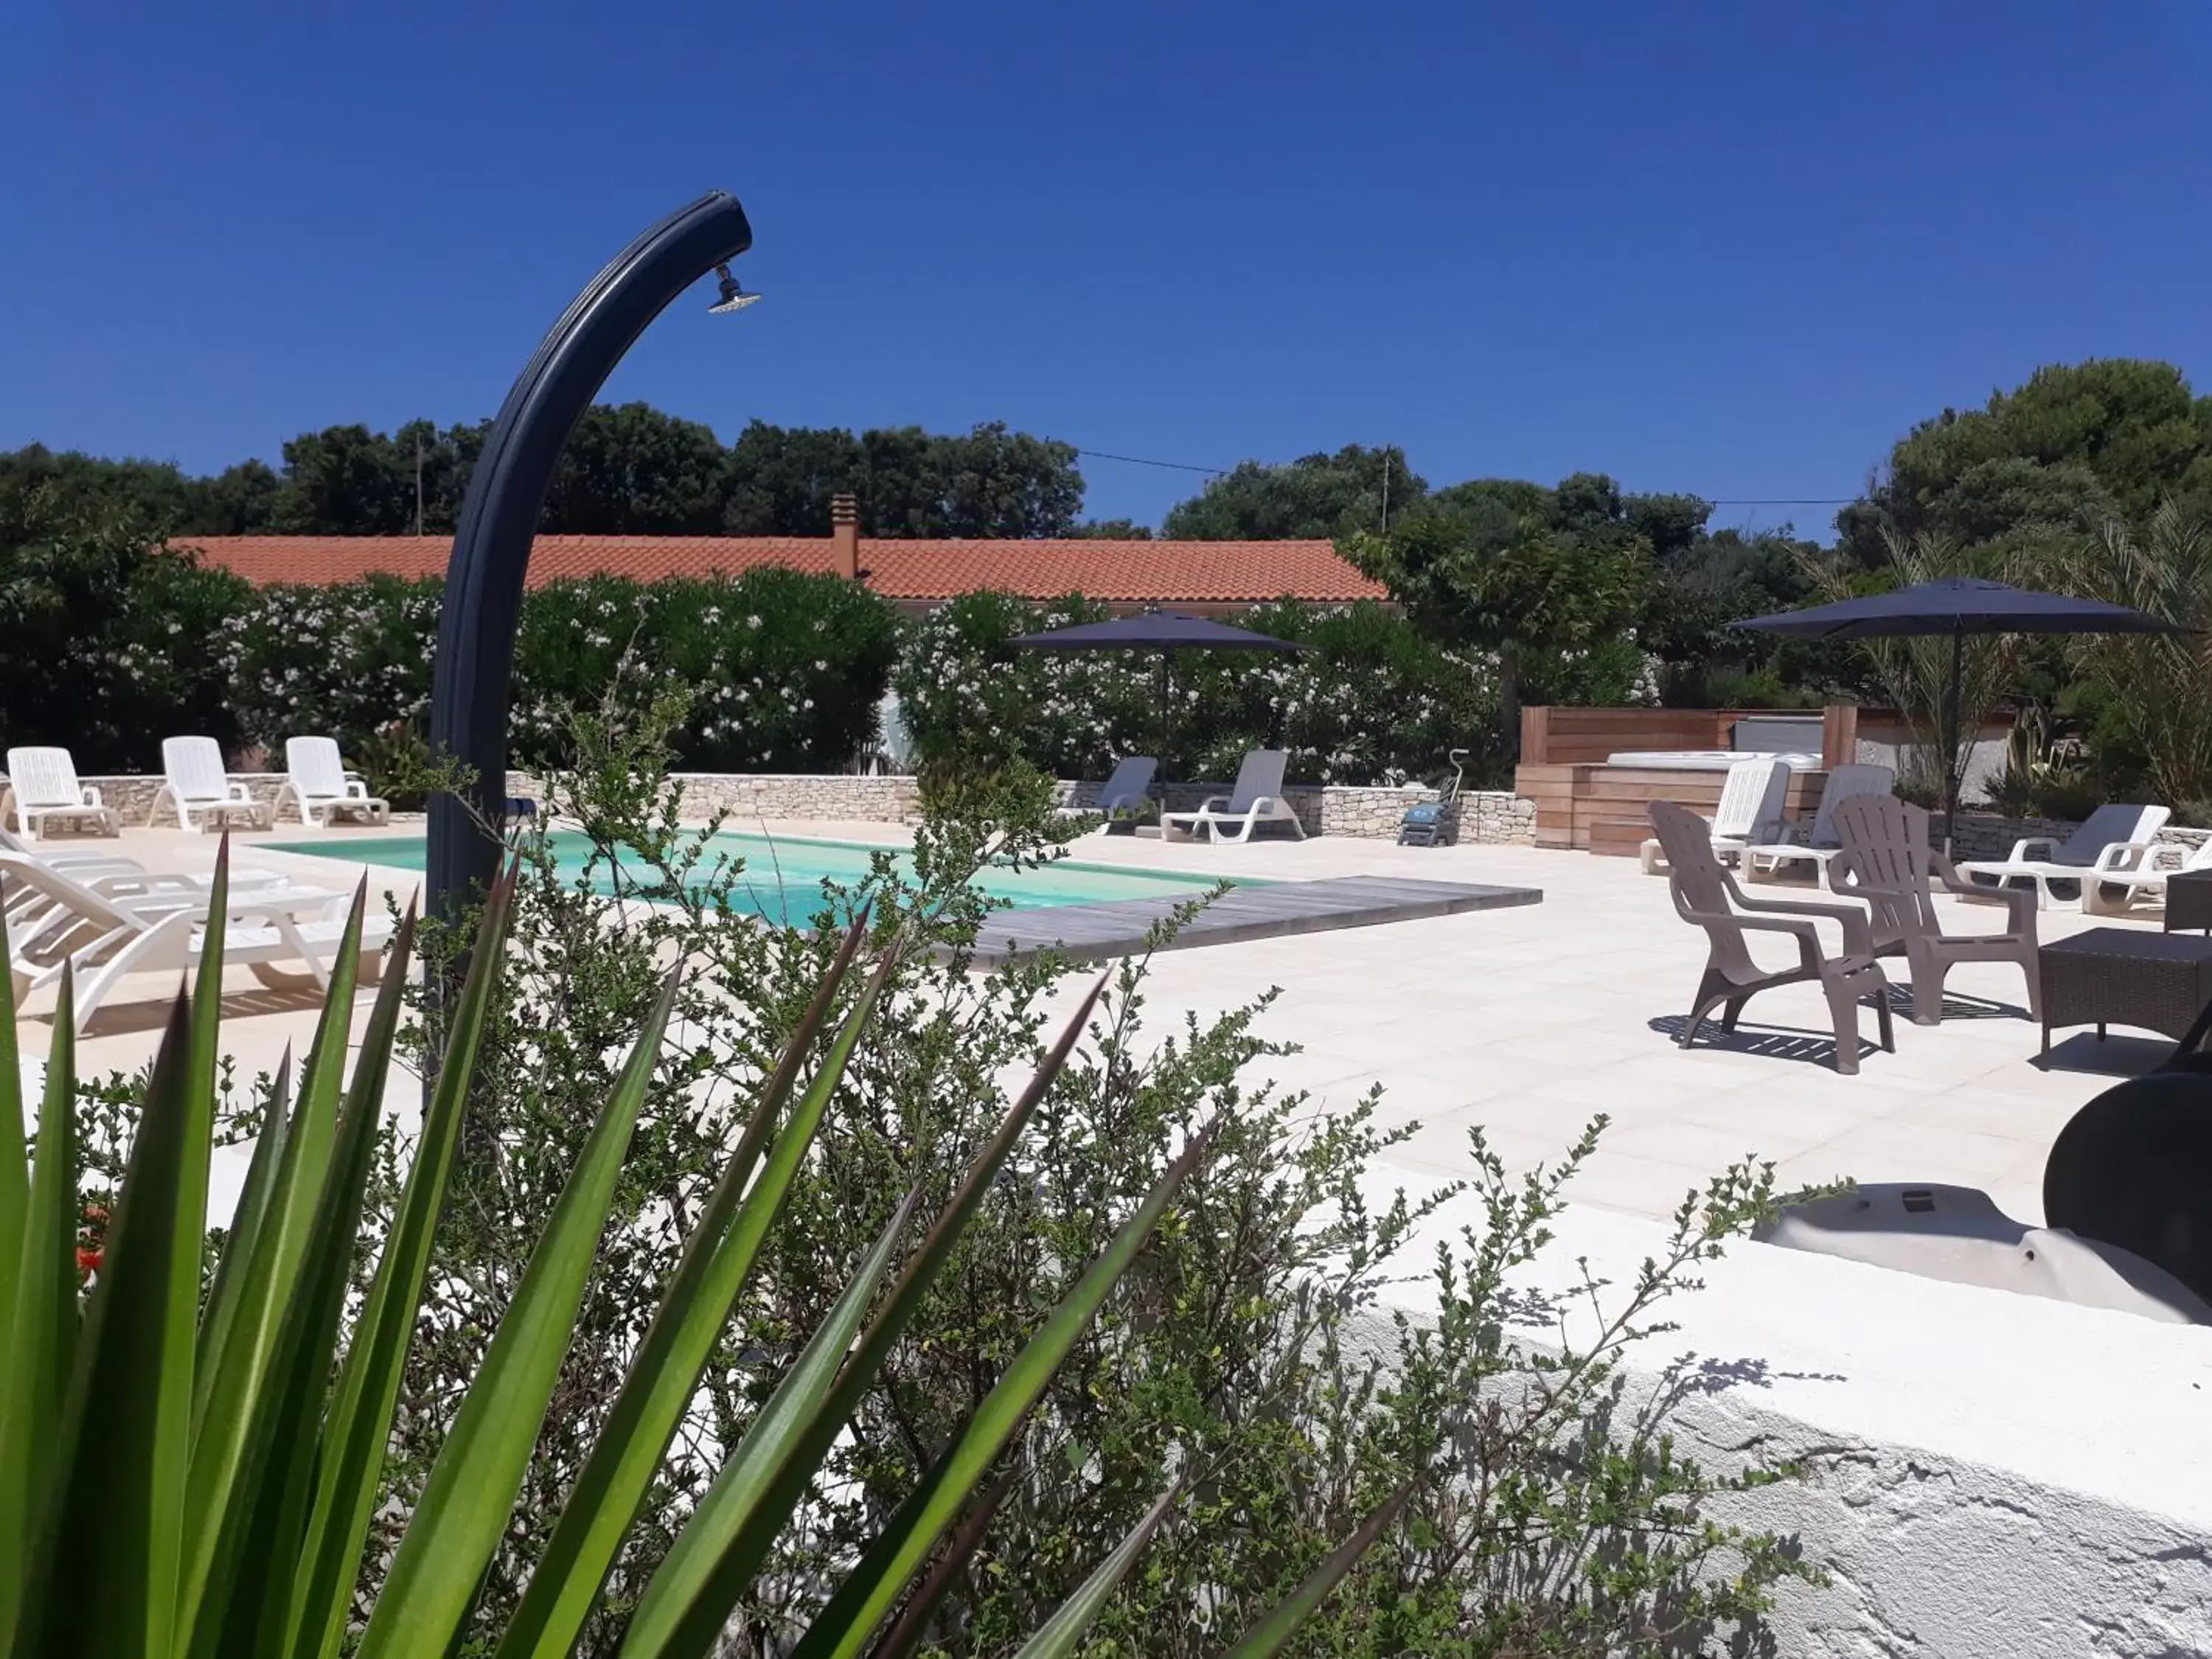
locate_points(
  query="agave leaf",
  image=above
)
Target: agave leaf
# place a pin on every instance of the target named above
(42, 1329)
(664, 1376)
(655, 1627)
(464, 1505)
(870, 1590)
(200, 1068)
(729, 1535)
(253, 1202)
(120, 1456)
(905, 1632)
(248, 1586)
(304, 1149)
(15, 1178)
(359, 1423)
(1282, 1622)
(229, 1426)
(1059, 1635)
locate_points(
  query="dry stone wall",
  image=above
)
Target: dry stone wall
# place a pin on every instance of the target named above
(1492, 816)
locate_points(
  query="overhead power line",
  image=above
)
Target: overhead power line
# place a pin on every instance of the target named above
(1717, 501)
(1138, 460)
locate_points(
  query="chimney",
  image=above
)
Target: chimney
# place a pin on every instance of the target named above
(845, 536)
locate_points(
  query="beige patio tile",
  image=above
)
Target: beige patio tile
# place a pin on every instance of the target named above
(1527, 1021)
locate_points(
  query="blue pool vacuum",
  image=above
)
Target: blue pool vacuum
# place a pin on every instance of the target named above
(1423, 825)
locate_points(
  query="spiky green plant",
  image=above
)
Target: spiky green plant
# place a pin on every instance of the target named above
(2160, 684)
(183, 1476)
(1915, 673)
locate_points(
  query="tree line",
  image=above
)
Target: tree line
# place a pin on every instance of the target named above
(627, 470)
(2112, 434)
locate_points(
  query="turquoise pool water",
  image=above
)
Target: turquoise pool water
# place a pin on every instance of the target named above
(783, 875)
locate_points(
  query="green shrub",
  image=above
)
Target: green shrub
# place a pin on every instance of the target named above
(342, 661)
(784, 669)
(1370, 697)
(224, 1438)
(104, 633)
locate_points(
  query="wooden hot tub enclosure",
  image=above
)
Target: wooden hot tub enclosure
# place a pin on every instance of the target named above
(1582, 802)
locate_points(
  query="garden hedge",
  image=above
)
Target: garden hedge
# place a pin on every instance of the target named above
(1368, 699)
(786, 672)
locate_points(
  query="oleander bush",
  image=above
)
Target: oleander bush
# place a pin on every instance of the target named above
(106, 647)
(784, 669)
(342, 661)
(1370, 701)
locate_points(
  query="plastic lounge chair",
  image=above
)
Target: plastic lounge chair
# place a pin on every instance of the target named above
(2115, 840)
(42, 785)
(1257, 799)
(1815, 843)
(104, 938)
(1887, 862)
(316, 780)
(198, 789)
(1750, 810)
(2118, 893)
(1707, 896)
(111, 874)
(1127, 794)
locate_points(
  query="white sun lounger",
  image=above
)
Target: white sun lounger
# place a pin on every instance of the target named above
(1127, 794)
(316, 780)
(2115, 841)
(1816, 843)
(103, 938)
(1750, 810)
(200, 792)
(111, 875)
(1257, 799)
(42, 785)
(2118, 893)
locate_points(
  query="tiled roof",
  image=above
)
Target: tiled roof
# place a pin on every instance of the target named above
(1139, 572)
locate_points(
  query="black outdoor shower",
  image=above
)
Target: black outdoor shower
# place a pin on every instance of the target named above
(469, 686)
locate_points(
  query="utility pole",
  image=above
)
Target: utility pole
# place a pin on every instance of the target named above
(1386, 489)
(418, 480)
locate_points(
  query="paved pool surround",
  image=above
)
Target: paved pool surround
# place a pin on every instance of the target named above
(1990, 1475)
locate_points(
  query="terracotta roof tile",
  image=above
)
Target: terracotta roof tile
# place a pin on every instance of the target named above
(1130, 572)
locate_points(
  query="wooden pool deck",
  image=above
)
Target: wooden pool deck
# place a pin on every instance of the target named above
(1122, 927)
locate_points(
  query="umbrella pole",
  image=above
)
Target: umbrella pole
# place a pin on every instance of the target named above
(1949, 724)
(1167, 723)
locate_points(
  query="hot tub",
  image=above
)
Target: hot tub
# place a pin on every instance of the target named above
(1707, 760)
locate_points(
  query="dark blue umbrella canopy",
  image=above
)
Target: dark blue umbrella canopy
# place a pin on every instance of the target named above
(1957, 604)
(1164, 631)
(1154, 630)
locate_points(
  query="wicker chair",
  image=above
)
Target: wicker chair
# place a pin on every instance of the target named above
(1887, 862)
(1708, 897)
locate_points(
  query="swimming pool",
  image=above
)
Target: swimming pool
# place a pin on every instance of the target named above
(783, 874)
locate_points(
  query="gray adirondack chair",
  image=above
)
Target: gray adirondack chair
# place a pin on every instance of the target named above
(1887, 862)
(1708, 897)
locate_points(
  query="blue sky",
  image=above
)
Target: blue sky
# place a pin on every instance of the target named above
(1730, 248)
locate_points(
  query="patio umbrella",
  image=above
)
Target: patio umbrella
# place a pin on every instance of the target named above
(1164, 631)
(1956, 606)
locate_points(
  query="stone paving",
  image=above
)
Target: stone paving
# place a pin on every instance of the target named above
(1526, 1021)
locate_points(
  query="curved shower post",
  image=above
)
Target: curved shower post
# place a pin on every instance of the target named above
(470, 683)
